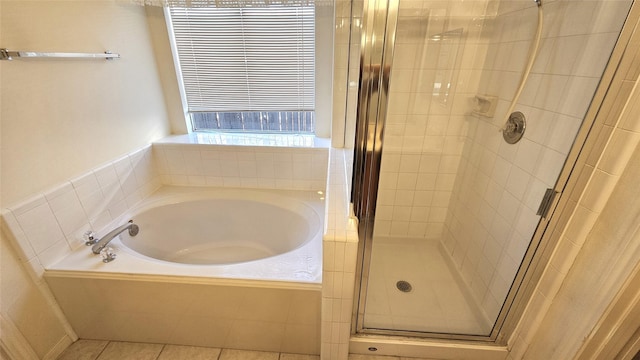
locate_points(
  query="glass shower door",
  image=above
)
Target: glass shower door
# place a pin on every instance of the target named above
(450, 207)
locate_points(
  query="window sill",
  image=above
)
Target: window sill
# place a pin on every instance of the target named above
(248, 139)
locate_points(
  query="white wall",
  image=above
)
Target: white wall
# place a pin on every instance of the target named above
(324, 68)
(26, 308)
(166, 68)
(63, 117)
(610, 252)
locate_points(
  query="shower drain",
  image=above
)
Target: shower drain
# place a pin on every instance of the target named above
(404, 286)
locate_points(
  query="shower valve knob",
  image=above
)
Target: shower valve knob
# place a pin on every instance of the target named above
(514, 129)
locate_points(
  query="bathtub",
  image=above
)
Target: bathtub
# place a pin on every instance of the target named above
(229, 227)
(221, 267)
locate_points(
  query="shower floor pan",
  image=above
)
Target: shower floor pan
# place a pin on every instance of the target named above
(438, 300)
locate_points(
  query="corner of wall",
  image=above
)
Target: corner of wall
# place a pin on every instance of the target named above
(46, 227)
(340, 246)
(166, 68)
(32, 325)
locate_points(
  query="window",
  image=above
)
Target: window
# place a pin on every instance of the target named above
(247, 69)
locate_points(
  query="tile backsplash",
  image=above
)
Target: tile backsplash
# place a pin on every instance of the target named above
(49, 225)
(242, 166)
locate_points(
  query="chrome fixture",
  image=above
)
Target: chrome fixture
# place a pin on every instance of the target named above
(539, 2)
(107, 254)
(547, 201)
(89, 238)
(10, 55)
(102, 243)
(514, 128)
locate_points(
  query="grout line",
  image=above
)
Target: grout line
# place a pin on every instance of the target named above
(102, 351)
(164, 347)
(161, 350)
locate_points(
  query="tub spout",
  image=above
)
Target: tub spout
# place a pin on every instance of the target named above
(104, 241)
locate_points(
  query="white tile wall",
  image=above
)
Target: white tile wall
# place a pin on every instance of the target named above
(340, 245)
(425, 133)
(242, 166)
(500, 186)
(48, 226)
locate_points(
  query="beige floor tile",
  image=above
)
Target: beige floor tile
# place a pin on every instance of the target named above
(230, 354)
(130, 351)
(284, 356)
(84, 350)
(178, 352)
(371, 357)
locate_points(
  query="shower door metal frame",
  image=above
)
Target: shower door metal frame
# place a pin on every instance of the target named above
(376, 57)
(367, 156)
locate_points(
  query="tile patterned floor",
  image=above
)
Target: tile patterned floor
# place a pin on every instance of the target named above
(117, 350)
(102, 350)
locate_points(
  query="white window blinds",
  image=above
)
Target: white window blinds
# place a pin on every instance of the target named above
(246, 59)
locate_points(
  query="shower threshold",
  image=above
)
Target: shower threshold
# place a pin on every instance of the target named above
(439, 301)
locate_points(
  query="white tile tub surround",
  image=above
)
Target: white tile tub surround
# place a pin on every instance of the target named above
(48, 226)
(287, 162)
(340, 245)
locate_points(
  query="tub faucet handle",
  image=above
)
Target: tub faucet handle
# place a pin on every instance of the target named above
(107, 254)
(89, 238)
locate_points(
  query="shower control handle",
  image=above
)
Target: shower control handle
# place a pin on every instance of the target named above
(514, 128)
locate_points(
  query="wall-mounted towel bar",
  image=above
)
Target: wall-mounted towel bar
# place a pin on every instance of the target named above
(10, 55)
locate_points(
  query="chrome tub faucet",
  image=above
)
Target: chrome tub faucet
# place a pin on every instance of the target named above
(104, 241)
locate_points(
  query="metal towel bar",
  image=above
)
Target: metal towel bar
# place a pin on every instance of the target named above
(10, 55)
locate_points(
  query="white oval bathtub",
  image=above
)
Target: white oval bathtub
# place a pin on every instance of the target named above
(219, 235)
(222, 228)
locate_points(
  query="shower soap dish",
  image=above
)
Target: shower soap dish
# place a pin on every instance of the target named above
(485, 105)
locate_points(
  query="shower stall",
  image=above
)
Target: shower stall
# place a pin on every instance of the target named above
(451, 209)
